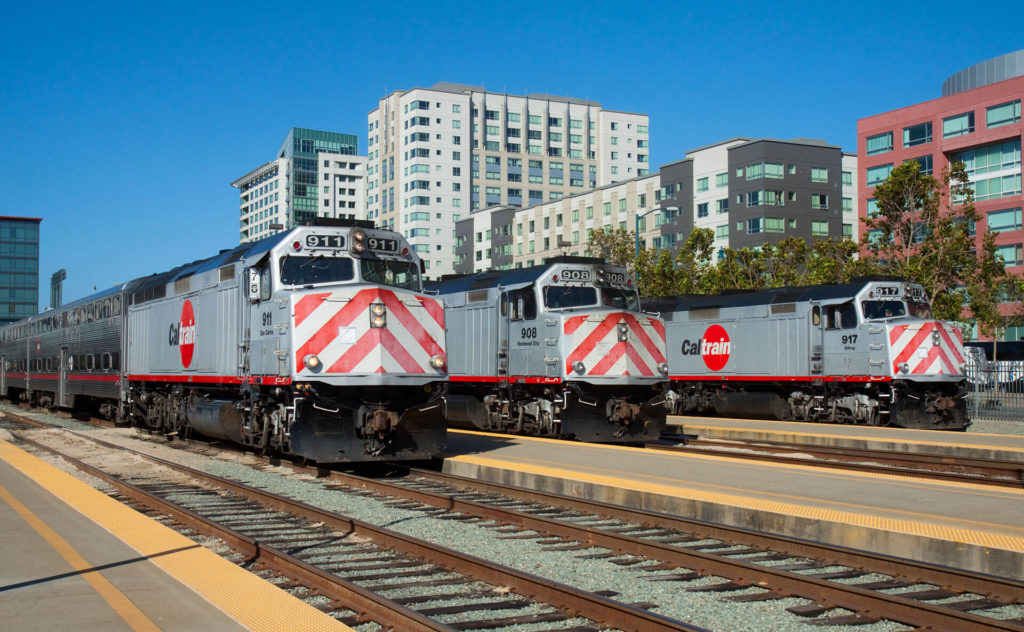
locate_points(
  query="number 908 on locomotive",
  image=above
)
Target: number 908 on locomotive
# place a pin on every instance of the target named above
(559, 349)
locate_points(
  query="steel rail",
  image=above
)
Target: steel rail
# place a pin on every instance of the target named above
(368, 605)
(1002, 588)
(878, 604)
(572, 600)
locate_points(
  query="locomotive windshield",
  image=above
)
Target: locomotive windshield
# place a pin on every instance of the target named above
(403, 274)
(879, 310)
(919, 309)
(622, 299)
(315, 269)
(565, 296)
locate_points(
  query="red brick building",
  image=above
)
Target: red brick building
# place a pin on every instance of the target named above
(977, 120)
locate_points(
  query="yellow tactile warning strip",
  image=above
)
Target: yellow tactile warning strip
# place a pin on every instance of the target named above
(816, 470)
(253, 602)
(952, 444)
(906, 526)
(116, 599)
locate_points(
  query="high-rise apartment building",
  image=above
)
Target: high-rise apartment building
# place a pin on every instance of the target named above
(315, 174)
(977, 120)
(437, 154)
(505, 237)
(748, 191)
(757, 191)
(19, 268)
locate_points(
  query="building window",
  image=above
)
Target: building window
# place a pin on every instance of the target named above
(722, 206)
(774, 225)
(847, 205)
(1002, 221)
(773, 170)
(1011, 254)
(754, 225)
(819, 201)
(925, 162)
(702, 209)
(819, 174)
(847, 231)
(917, 134)
(879, 143)
(722, 180)
(847, 178)
(877, 175)
(819, 229)
(754, 198)
(1003, 114)
(722, 232)
(702, 184)
(996, 159)
(755, 171)
(872, 207)
(958, 125)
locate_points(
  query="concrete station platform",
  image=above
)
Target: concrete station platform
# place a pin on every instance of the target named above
(73, 558)
(963, 525)
(967, 445)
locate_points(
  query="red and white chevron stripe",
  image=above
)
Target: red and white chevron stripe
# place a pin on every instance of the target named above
(928, 348)
(593, 340)
(335, 326)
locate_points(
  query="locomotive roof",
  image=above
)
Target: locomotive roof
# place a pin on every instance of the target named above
(451, 284)
(743, 298)
(222, 258)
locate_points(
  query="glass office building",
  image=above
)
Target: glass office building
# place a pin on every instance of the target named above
(19, 267)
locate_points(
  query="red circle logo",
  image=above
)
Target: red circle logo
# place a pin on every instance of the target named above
(714, 347)
(187, 333)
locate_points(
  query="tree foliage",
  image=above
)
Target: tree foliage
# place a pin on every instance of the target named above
(924, 232)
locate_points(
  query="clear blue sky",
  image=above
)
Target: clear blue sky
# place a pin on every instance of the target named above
(123, 126)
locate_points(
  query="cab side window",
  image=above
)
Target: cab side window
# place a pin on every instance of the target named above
(523, 304)
(841, 316)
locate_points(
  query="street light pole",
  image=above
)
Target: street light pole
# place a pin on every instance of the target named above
(642, 215)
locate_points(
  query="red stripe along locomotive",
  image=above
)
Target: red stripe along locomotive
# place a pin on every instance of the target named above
(317, 342)
(559, 349)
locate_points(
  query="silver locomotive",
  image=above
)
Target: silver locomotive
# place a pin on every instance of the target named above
(559, 349)
(317, 342)
(865, 352)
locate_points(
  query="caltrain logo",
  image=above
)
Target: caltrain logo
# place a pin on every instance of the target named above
(713, 347)
(183, 334)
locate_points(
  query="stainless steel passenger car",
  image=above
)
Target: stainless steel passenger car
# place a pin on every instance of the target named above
(559, 349)
(317, 341)
(864, 352)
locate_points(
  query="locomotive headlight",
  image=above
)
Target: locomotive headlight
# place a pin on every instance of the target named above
(663, 367)
(579, 367)
(935, 337)
(378, 315)
(312, 362)
(904, 368)
(359, 235)
(437, 362)
(623, 332)
(358, 246)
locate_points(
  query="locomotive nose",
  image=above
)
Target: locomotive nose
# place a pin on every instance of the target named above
(615, 344)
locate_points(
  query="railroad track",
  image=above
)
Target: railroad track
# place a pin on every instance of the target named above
(980, 471)
(689, 550)
(355, 565)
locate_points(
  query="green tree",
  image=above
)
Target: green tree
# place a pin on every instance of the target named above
(923, 231)
(835, 261)
(616, 246)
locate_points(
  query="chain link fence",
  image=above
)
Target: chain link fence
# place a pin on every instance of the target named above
(996, 390)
